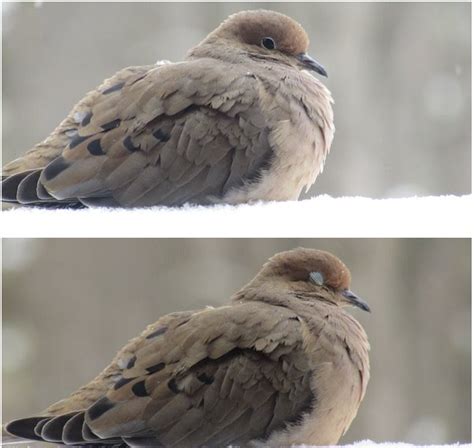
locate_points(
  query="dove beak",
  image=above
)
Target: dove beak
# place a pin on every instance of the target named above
(354, 300)
(311, 64)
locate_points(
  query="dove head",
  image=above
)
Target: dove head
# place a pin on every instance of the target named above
(310, 274)
(264, 36)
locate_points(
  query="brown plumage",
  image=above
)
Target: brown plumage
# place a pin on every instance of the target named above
(283, 364)
(239, 120)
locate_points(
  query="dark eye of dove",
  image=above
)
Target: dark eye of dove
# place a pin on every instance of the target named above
(268, 43)
(316, 278)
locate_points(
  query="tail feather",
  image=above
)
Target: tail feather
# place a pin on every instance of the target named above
(87, 433)
(72, 430)
(25, 188)
(25, 427)
(52, 431)
(10, 185)
(66, 429)
(26, 191)
(39, 426)
(43, 193)
(10, 439)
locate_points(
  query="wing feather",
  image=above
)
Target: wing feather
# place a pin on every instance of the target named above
(174, 123)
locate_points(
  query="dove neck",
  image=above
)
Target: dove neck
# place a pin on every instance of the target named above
(291, 295)
(217, 49)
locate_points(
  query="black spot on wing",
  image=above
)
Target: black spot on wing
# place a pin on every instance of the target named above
(156, 367)
(129, 146)
(114, 88)
(161, 136)
(87, 119)
(111, 124)
(95, 148)
(205, 378)
(99, 408)
(121, 382)
(131, 362)
(159, 331)
(56, 167)
(139, 389)
(173, 387)
(77, 140)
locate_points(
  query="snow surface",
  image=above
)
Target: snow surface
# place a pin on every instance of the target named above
(431, 216)
(402, 445)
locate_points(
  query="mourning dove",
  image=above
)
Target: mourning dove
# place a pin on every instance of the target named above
(241, 119)
(282, 364)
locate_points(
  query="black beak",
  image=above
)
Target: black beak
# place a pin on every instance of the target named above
(311, 64)
(356, 301)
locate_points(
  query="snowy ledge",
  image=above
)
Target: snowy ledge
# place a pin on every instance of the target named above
(322, 216)
(403, 445)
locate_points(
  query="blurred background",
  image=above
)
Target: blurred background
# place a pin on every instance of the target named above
(400, 74)
(69, 305)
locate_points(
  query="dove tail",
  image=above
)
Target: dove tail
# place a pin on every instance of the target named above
(25, 428)
(67, 429)
(26, 188)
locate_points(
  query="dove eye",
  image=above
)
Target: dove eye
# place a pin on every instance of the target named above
(316, 278)
(268, 43)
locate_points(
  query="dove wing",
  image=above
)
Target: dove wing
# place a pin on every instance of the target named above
(165, 134)
(212, 377)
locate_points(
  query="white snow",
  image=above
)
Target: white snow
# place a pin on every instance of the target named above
(440, 216)
(403, 445)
